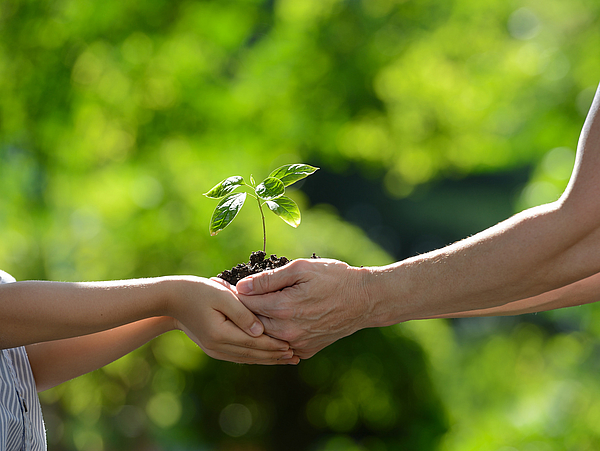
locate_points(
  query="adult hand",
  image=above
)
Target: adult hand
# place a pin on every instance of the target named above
(212, 316)
(308, 303)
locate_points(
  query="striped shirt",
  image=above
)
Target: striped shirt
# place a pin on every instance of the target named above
(21, 423)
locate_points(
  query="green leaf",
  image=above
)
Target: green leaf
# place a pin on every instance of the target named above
(270, 188)
(291, 173)
(225, 187)
(226, 212)
(286, 209)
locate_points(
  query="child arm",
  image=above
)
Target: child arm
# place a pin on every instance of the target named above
(72, 328)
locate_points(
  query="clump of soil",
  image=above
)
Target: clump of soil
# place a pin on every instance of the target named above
(258, 263)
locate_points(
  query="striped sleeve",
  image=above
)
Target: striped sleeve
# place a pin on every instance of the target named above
(21, 422)
(35, 432)
(11, 424)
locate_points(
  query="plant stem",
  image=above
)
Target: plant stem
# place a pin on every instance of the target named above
(263, 223)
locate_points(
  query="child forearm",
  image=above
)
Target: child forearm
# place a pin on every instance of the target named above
(208, 312)
(33, 312)
(57, 361)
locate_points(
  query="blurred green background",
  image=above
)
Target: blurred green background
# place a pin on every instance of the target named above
(431, 120)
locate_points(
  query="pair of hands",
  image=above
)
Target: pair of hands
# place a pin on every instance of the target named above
(288, 314)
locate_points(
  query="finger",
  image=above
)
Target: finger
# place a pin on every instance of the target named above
(264, 305)
(304, 355)
(254, 359)
(238, 338)
(270, 326)
(234, 353)
(224, 283)
(273, 328)
(241, 316)
(269, 281)
(244, 349)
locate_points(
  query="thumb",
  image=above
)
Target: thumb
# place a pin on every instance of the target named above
(242, 317)
(269, 281)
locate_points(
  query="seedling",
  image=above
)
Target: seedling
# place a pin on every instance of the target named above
(269, 192)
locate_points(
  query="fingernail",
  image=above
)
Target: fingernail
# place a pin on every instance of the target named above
(245, 286)
(256, 329)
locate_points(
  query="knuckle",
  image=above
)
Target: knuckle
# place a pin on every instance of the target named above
(250, 344)
(245, 354)
(262, 281)
(300, 265)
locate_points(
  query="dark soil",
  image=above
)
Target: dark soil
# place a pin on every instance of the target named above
(258, 263)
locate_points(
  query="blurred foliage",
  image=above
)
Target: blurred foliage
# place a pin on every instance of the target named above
(115, 116)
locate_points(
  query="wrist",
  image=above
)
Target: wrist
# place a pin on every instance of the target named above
(177, 293)
(163, 324)
(164, 287)
(387, 296)
(372, 311)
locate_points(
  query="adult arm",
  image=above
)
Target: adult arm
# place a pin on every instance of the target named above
(533, 252)
(36, 312)
(536, 251)
(585, 291)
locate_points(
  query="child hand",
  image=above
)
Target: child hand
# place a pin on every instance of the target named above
(213, 317)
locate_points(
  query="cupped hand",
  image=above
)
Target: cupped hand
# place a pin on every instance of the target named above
(213, 317)
(308, 303)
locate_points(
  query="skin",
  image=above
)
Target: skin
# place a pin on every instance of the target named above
(585, 291)
(72, 328)
(545, 257)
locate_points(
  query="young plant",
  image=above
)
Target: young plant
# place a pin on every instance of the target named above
(269, 192)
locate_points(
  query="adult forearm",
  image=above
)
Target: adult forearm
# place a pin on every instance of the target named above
(581, 292)
(33, 312)
(311, 304)
(534, 252)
